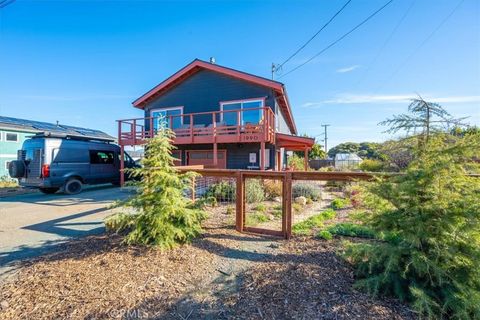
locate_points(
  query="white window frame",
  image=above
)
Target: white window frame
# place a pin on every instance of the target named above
(15, 133)
(167, 109)
(241, 101)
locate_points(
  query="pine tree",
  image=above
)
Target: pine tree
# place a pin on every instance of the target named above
(428, 221)
(162, 216)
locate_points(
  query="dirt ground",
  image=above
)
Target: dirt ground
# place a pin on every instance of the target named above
(221, 275)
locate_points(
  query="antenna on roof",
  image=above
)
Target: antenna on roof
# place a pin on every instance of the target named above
(212, 60)
(57, 123)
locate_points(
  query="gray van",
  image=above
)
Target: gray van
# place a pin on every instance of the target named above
(53, 162)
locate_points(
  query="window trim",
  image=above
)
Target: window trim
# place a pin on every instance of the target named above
(167, 109)
(15, 133)
(7, 162)
(242, 101)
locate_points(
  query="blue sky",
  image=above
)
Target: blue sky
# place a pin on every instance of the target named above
(84, 62)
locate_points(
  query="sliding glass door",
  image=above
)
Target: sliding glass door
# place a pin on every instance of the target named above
(247, 115)
(161, 118)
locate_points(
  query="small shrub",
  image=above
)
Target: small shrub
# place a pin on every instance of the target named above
(7, 182)
(309, 201)
(277, 213)
(306, 190)
(297, 207)
(305, 227)
(324, 234)
(221, 191)
(371, 165)
(230, 210)
(254, 191)
(339, 203)
(261, 207)
(253, 219)
(351, 230)
(328, 214)
(273, 189)
(295, 162)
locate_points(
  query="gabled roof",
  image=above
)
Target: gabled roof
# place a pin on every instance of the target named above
(33, 126)
(197, 65)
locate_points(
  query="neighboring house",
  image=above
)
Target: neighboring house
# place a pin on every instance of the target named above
(11, 139)
(14, 131)
(222, 118)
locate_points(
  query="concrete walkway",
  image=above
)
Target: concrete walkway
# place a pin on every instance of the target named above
(32, 224)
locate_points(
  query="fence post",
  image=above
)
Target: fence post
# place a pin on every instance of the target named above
(240, 202)
(287, 205)
(193, 189)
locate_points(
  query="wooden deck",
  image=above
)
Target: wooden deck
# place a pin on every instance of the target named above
(202, 128)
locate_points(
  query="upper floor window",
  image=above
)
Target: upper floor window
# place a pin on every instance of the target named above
(167, 117)
(251, 112)
(10, 136)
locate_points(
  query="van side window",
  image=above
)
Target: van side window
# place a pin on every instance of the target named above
(101, 157)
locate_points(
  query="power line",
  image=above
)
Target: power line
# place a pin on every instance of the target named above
(421, 44)
(5, 3)
(371, 64)
(339, 39)
(316, 34)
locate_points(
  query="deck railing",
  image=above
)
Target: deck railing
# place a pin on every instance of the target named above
(226, 126)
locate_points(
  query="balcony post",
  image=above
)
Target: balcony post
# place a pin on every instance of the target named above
(238, 125)
(305, 159)
(191, 128)
(151, 128)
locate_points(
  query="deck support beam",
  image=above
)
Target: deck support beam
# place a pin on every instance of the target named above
(305, 159)
(262, 155)
(215, 155)
(122, 165)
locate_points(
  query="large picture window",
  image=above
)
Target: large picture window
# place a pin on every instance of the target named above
(161, 117)
(251, 114)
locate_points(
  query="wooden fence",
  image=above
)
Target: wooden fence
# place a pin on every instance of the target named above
(286, 177)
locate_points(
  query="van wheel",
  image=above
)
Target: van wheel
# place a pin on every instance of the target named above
(73, 186)
(48, 190)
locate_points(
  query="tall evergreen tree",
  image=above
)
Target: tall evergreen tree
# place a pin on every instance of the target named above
(162, 216)
(428, 221)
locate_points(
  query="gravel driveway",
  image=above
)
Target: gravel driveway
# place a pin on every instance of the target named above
(32, 224)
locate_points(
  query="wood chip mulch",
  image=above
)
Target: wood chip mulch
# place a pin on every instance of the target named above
(221, 275)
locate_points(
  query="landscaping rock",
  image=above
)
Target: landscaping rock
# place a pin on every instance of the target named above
(301, 200)
(277, 199)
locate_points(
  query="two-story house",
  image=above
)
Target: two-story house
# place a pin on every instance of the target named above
(222, 118)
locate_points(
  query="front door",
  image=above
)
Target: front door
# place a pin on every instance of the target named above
(205, 158)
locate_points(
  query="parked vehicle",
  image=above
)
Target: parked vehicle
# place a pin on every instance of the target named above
(52, 162)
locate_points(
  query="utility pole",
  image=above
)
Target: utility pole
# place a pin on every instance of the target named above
(325, 127)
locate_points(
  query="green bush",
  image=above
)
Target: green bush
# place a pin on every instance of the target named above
(163, 217)
(324, 234)
(221, 191)
(252, 219)
(432, 259)
(295, 162)
(297, 207)
(328, 214)
(254, 191)
(306, 190)
(351, 230)
(261, 207)
(339, 203)
(371, 165)
(305, 227)
(230, 210)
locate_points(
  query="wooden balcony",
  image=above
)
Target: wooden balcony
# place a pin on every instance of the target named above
(232, 126)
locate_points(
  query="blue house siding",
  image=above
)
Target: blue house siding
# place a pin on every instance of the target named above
(237, 154)
(203, 92)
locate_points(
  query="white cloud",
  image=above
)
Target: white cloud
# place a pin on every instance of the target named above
(348, 69)
(388, 98)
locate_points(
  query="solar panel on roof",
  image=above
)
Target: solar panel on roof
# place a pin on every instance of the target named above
(50, 127)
